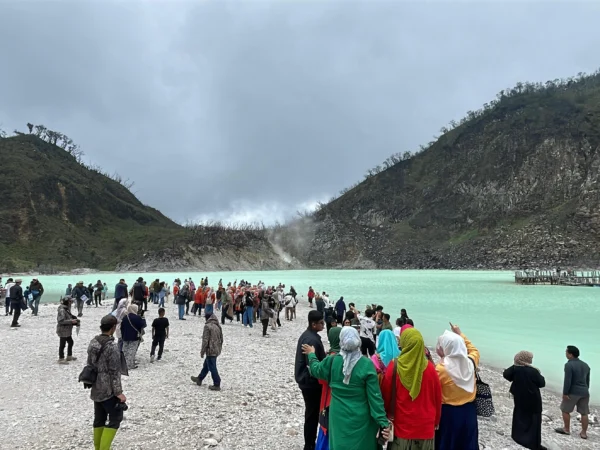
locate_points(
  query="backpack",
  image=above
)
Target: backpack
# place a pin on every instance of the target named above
(89, 374)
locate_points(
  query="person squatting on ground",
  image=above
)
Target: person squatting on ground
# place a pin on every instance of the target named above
(106, 392)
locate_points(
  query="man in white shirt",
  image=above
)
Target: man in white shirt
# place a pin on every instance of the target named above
(367, 329)
(9, 284)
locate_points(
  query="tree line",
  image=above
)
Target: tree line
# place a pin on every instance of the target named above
(66, 143)
(581, 81)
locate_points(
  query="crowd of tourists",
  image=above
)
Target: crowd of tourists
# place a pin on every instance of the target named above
(376, 386)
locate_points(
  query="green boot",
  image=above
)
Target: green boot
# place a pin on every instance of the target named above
(107, 437)
(97, 437)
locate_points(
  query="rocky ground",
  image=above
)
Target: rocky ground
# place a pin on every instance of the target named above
(260, 407)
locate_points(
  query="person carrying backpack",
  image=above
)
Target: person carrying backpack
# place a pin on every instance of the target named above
(106, 390)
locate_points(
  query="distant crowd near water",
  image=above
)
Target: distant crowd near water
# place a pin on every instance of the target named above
(377, 385)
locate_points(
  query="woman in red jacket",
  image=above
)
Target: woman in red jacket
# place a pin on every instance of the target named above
(417, 408)
(311, 295)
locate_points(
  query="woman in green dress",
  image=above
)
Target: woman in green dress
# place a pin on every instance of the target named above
(356, 412)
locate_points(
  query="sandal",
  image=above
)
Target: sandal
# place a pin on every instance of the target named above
(562, 431)
(583, 436)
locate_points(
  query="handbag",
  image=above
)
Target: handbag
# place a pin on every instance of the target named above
(89, 374)
(393, 405)
(324, 414)
(483, 396)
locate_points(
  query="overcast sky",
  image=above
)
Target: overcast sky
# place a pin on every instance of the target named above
(252, 110)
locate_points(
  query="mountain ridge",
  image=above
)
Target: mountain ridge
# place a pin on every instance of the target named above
(513, 185)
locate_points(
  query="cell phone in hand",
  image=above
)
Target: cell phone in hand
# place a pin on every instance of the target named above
(381, 440)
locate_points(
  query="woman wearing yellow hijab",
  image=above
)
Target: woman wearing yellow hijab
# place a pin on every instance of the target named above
(417, 406)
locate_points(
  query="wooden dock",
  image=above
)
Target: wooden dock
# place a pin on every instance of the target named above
(589, 278)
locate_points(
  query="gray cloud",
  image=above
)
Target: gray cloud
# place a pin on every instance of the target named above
(233, 110)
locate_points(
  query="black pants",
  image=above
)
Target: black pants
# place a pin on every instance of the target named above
(98, 298)
(16, 313)
(224, 315)
(278, 321)
(61, 347)
(106, 410)
(145, 301)
(265, 324)
(140, 305)
(367, 345)
(187, 307)
(160, 341)
(312, 404)
(238, 314)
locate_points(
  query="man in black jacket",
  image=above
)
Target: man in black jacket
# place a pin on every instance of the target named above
(310, 387)
(120, 292)
(139, 294)
(16, 300)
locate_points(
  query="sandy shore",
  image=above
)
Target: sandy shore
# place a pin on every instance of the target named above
(260, 407)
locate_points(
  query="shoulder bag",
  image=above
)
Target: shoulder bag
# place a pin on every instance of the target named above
(89, 374)
(483, 397)
(139, 334)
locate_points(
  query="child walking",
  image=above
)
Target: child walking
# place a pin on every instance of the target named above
(160, 332)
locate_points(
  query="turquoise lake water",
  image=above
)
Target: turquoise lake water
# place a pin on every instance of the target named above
(500, 317)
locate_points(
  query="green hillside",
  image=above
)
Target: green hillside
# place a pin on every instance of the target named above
(57, 214)
(515, 184)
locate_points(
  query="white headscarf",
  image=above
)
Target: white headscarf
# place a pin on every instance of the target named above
(119, 313)
(350, 350)
(121, 310)
(455, 360)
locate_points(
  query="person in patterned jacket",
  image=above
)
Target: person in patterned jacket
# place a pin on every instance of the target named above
(64, 329)
(106, 392)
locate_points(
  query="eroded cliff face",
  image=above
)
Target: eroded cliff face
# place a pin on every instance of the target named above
(516, 187)
(255, 256)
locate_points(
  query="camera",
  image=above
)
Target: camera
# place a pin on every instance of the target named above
(121, 406)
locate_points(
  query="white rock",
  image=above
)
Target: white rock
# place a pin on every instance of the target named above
(211, 442)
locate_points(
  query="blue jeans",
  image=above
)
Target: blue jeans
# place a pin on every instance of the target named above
(181, 311)
(36, 304)
(161, 302)
(210, 365)
(248, 316)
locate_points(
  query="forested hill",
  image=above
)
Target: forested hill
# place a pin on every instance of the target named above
(55, 212)
(515, 184)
